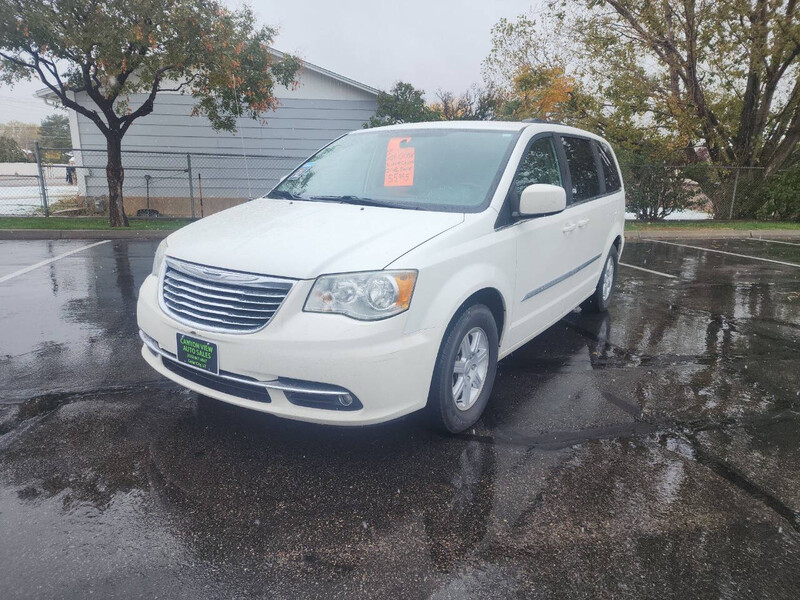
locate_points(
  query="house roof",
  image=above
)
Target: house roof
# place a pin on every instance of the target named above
(331, 74)
(47, 95)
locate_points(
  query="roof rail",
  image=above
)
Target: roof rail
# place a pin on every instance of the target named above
(541, 121)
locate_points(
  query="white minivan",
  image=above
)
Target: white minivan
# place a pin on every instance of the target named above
(389, 272)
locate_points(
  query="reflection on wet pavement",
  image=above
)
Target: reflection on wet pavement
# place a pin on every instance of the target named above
(69, 323)
(648, 453)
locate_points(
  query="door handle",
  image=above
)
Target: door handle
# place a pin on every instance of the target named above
(583, 222)
(569, 228)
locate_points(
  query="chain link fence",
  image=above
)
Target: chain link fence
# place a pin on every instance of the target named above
(703, 191)
(168, 184)
(68, 181)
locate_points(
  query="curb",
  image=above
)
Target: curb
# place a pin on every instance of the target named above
(84, 234)
(712, 234)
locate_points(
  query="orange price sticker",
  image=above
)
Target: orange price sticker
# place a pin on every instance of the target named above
(399, 163)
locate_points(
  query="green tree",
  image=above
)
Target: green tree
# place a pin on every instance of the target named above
(722, 74)
(402, 104)
(526, 43)
(709, 80)
(782, 194)
(476, 104)
(549, 93)
(653, 189)
(9, 151)
(528, 67)
(25, 134)
(54, 132)
(112, 50)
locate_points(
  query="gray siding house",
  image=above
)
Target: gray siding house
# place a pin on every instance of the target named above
(166, 150)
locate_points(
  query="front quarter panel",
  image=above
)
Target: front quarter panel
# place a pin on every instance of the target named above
(454, 266)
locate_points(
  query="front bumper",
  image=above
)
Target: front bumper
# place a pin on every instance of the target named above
(386, 369)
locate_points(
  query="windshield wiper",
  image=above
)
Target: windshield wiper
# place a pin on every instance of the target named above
(356, 200)
(285, 195)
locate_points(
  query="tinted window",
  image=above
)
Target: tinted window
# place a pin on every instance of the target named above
(610, 171)
(540, 165)
(582, 168)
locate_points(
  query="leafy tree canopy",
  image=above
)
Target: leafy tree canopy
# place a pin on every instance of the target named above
(673, 81)
(115, 48)
(9, 151)
(406, 104)
(54, 132)
(782, 197)
(528, 67)
(402, 104)
(720, 74)
(476, 104)
(24, 134)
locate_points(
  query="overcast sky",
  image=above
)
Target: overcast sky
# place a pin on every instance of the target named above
(429, 43)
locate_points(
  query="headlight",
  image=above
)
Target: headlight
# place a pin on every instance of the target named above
(158, 259)
(364, 296)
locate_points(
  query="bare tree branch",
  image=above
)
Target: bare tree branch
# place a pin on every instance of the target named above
(60, 91)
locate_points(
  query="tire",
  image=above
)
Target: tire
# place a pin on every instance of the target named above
(452, 412)
(600, 300)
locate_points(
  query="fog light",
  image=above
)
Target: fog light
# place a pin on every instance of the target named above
(341, 400)
(151, 343)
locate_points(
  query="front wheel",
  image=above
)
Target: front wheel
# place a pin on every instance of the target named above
(465, 370)
(601, 299)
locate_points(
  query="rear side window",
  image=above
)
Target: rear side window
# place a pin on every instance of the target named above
(582, 168)
(610, 171)
(540, 165)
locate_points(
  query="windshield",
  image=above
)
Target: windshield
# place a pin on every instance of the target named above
(428, 169)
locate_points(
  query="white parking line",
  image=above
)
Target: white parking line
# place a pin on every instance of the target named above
(769, 260)
(622, 264)
(775, 241)
(48, 261)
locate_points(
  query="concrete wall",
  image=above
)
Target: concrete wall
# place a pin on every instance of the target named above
(18, 168)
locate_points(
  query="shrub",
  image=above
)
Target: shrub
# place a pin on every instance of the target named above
(782, 194)
(654, 192)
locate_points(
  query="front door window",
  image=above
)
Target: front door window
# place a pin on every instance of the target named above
(540, 165)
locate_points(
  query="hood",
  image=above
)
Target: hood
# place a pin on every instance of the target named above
(303, 240)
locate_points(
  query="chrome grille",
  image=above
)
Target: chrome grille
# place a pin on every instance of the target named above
(220, 300)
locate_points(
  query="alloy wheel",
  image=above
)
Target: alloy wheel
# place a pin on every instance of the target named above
(470, 368)
(608, 278)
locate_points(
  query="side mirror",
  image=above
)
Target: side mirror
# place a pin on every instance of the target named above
(542, 199)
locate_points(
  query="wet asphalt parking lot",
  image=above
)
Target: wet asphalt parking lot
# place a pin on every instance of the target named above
(648, 453)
